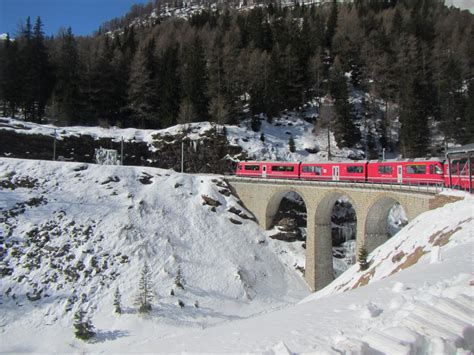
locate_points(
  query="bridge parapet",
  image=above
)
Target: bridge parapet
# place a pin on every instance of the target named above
(371, 202)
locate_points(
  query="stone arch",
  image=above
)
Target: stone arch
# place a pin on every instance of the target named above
(274, 203)
(324, 272)
(376, 223)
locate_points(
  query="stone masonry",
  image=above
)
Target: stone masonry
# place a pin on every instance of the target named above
(372, 204)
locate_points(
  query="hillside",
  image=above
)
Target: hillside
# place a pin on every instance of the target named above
(421, 306)
(207, 149)
(73, 233)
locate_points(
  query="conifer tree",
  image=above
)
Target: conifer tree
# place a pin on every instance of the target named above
(345, 132)
(143, 86)
(291, 144)
(67, 91)
(195, 78)
(179, 281)
(145, 292)
(11, 78)
(362, 257)
(84, 329)
(117, 301)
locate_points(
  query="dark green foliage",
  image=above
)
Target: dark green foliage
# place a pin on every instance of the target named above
(67, 91)
(362, 258)
(117, 301)
(83, 328)
(414, 55)
(145, 293)
(262, 137)
(195, 79)
(344, 129)
(255, 124)
(291, 144)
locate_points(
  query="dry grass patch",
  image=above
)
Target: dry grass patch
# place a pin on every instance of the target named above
(411, 259)
(398, 257)
(364, 279)
(440, 239)
(441, 200)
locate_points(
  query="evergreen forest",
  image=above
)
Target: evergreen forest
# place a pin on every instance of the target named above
(412, 59)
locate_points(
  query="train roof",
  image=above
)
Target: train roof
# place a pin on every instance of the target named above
(413, 160)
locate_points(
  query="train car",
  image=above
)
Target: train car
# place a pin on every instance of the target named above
(249, 169)
(407, 172)
(460, 177)
(336, 171)
(271, 170)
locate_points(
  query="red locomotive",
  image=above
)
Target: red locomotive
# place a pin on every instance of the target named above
(406, 172)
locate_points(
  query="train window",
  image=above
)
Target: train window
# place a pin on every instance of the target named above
(416, 169)
(283, 168)
(353, 169)
(252, 167)
(312, 169)
(385, 169)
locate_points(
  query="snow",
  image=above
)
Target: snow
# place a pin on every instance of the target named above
(418, 295)
(275, 146)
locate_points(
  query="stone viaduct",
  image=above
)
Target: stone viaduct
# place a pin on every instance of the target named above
(371, 202)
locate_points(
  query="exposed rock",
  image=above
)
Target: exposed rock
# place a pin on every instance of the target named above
(210, 201)
(145, 179)
(208, 154)
(235, 221)
(287, 224)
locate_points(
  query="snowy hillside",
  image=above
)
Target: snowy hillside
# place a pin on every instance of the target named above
(72, 233)
(425, 307)
(310, 142)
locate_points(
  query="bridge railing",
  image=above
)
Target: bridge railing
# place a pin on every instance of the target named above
(418, 188)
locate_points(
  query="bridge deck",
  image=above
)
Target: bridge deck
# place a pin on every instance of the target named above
(425, 189)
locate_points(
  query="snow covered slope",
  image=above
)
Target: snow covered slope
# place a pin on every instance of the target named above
(72, 233)
(427, 307)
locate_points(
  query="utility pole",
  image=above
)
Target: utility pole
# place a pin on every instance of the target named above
(121, 151)
(54, 146)
(182, 155)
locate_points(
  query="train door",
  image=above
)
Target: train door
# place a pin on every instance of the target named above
(335, 173)
(399, 174)
(264, 171)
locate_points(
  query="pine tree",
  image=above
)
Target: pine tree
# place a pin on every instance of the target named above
(291, 144)
(117, 301)
(345, 132)
(195, 78)
(362, 257)
(331, 24)
(143, 86)
(255, 123)
(145, 293)
(180, 304)
(11, 78)
(179, 280)
(169, 86)
(84, 329)
(67, 91)
(262, 137)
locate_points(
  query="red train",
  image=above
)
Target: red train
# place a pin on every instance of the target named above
(407, 172)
